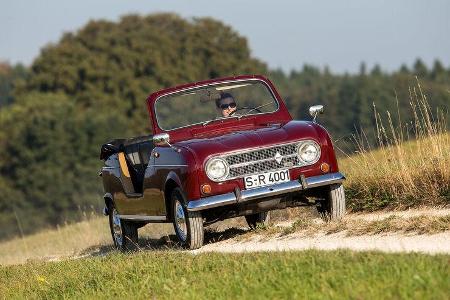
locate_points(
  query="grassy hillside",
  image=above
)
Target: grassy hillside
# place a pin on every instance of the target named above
(70, 240)
(411, 174)
(168, 275)
(409, 167)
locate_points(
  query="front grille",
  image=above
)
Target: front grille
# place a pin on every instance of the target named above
(262, 160)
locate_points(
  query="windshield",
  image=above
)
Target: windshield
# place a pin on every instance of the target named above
(214, 102)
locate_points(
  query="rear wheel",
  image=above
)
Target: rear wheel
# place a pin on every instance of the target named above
(188, 225)
(261, 219)
(124, 233)
(333, 206)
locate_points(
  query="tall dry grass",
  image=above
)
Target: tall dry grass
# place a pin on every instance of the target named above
(89, 236)
(411, 165)
(65, 241)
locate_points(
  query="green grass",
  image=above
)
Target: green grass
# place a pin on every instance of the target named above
(288, 275)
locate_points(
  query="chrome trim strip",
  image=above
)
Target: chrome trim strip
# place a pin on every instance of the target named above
(271, 190)
(264, 192)
(211, 202)
(251, 149)
(322, 180)
(109, 168)
(174, 166)
(254, 162)
(143, 218)
(134, 195)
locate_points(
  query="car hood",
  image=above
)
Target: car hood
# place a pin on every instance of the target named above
(265, 136)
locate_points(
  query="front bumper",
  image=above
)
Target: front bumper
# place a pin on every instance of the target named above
(239, 196)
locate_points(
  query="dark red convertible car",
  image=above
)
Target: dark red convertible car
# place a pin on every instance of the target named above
(220, 149)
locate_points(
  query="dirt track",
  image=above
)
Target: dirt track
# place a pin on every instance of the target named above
(389, 242)
(436, 243)
(92, 238)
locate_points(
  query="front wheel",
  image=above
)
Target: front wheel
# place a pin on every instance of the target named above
(333, 206)
(261, 219)
(124, 233)
(188, 225)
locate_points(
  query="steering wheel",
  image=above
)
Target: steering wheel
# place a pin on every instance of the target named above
(242, 108)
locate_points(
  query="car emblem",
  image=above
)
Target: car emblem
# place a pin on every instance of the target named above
(288, 164)
(278, 157)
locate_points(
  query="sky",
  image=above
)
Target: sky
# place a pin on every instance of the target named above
(284, 34)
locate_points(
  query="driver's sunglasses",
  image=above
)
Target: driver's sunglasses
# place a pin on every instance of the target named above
(225, 106)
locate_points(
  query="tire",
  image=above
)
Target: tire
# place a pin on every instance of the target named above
(258, 220)
(188, 226)
(124, 233)
(333, 206)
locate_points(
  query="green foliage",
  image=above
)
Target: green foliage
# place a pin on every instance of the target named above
(10, 76)
(49, 161)
(276, 275)
(117, 65)
(349, 99)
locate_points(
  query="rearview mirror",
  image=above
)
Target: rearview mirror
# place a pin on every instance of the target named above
(315, 110)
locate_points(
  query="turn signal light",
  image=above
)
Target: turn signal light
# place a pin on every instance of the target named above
(205, 189)
(325, 168)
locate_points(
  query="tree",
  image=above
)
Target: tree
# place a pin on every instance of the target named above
(420, 69)
(438, 71)
(117, 65)
(10, 76)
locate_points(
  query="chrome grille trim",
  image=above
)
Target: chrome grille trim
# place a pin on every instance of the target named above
(255, 161)
(260, 161)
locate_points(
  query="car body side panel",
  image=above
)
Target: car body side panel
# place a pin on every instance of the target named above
(118, 185)
(112, 183)
(169, 165)
(166, 164)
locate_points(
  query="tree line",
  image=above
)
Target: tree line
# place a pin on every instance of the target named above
(91, 86)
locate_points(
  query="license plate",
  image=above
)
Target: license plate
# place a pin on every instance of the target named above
(264, 179)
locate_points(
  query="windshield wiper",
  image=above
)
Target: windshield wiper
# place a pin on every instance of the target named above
(219, 119)
(237, 116)
(257, 108)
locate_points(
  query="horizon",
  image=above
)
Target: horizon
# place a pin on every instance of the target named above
(374, 36)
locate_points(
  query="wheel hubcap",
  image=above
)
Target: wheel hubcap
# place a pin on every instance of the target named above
(180, 221)
(116, 228)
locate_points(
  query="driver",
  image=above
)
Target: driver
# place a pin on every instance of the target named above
(226, 105)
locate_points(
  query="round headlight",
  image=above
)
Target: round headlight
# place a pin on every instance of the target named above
(309, 152)
(217, 169)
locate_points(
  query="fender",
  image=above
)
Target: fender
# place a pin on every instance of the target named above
(107, 197)
(173, 176)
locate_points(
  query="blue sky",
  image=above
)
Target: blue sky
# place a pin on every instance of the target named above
(285, 34)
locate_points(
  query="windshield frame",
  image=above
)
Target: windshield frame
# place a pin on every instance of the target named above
(197, 87)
